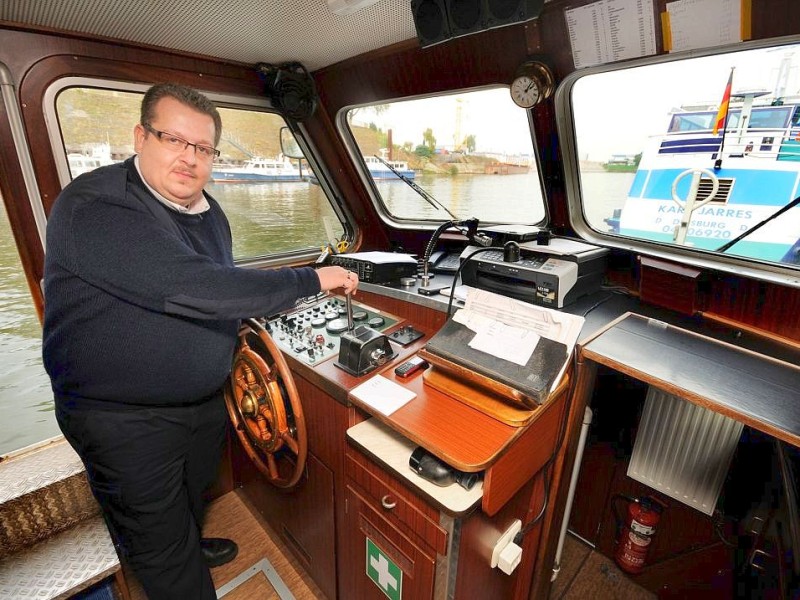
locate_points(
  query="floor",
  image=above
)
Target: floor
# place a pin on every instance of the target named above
(584, 573)
(229, 516)
(587, 574)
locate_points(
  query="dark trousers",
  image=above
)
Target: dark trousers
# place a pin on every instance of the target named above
(148, 469)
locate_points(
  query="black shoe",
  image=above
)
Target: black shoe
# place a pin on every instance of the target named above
(218, 551)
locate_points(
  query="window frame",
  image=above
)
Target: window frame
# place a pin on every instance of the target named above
(353, 152)
(747, 267)
(222, 100)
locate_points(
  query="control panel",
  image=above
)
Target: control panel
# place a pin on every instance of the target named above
(311, 332)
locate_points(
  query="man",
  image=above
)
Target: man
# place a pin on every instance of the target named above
(142, 308)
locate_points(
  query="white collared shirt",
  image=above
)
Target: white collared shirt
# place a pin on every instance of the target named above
(199, 206)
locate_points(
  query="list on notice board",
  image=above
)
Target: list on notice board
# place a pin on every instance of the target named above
(699, 24)
(610, 30)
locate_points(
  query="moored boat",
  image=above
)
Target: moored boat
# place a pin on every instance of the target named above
(83, 163)
(378, 170)
(756, 162)
(258, 170)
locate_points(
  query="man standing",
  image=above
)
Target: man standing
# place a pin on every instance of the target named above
(142, 309)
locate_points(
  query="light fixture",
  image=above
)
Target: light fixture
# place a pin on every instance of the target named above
(346, 7)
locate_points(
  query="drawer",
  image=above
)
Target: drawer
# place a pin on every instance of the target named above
(396, 502)
(365, 524)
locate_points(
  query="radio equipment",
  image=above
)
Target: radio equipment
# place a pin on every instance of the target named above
(552, 275)
(377, 267)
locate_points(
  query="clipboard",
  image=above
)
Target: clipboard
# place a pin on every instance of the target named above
(525, 386)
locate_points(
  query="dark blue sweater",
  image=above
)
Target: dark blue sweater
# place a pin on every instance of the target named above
(142, 303)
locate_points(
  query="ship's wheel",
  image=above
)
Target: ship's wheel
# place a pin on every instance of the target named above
(264, 407)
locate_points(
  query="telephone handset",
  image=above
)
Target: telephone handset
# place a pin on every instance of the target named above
(445, 262)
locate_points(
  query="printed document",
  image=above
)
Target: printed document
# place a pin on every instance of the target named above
(509, 329)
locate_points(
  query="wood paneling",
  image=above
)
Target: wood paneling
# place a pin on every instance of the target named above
(768, 307)
(530, 452)
(20, 214)
(411, 513)
(479, 535)
(304, 519)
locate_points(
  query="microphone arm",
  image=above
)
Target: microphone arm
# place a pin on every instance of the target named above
(472, 235)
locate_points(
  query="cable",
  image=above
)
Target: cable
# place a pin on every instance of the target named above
(559, 440)
(596, 304)
(457, 274)
(528, 526)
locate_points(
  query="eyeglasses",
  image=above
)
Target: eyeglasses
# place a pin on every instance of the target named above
(178, 144)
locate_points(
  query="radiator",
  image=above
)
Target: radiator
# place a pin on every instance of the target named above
(683, 450)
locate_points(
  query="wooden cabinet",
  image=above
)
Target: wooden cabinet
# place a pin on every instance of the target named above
(387, 522)
(305, 517)
(357, 499)
(401, 506)
(375, 544)
(414, 522)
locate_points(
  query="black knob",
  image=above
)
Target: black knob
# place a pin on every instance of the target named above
(543, 237)
(511, 252)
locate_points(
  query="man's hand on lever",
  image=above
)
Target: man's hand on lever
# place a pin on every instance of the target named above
(331, 278)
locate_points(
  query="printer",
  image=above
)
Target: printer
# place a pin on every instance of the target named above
(553, 274)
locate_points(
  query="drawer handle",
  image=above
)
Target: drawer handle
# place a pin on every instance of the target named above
(388, 502)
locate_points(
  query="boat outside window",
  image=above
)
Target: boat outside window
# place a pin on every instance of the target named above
(272, 204)
(670, 117)
(471, 151)
(770, 118)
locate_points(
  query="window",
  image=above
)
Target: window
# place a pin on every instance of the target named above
(472, 152)
(271, 201)
(667, 115)
(26, 403)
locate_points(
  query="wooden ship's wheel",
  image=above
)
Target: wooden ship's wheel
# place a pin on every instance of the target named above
(264, 407)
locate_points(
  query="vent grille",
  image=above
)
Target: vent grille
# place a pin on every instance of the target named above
(683, 450)
(723, 193)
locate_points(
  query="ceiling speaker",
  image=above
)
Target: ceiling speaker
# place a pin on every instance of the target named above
(506, 12)
(430, 19)
(465, 16)
(291, 88)
(440, 20)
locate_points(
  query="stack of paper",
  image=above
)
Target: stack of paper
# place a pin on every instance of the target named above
(509, 329)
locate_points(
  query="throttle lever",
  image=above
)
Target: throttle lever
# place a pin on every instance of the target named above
(349, 307)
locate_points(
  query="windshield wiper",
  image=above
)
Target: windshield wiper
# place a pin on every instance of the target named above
(430, 199)
(759, 225)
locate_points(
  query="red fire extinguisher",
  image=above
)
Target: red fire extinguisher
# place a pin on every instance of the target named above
(636, 531)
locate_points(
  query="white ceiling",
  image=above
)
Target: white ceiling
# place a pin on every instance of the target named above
(247, 31)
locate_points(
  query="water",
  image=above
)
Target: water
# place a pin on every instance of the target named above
(602, 193)
(26, 407)
(496, 198)
(264, 218)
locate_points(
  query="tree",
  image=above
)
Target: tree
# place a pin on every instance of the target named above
(378, 109)
(469, 143)
(423, 151)
(428, 140)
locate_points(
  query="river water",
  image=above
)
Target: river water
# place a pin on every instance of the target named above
(259, 216)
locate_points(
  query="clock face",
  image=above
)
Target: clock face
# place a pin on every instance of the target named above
(525, 91)
(532, 84)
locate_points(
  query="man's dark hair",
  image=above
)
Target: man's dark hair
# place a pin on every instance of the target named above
(185, 95)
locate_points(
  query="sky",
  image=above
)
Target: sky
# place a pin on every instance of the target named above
(614, 112)
(610, 121)
(497, 123)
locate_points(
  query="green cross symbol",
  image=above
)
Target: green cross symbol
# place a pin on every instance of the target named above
(383, 572)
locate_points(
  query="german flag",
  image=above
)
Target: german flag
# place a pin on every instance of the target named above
(722, 113)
